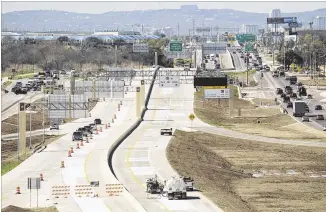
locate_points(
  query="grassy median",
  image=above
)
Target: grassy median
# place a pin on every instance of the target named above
(246, 176)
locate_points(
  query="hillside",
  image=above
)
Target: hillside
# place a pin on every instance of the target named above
(40, 20)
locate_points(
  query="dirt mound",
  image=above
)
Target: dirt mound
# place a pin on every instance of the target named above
(12, 208)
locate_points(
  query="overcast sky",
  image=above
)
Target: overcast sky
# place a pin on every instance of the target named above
(102, 7)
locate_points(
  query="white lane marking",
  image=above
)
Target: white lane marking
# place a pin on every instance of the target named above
(138, 159)
(177, 114)
(180, 205)
(142, 170)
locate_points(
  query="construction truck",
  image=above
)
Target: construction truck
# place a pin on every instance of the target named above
(153, 186)
(189, 183)
(175, 188)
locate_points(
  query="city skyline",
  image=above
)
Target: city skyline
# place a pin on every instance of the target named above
(102, 7)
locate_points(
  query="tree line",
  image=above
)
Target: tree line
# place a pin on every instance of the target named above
(307, 50)
(65, 53)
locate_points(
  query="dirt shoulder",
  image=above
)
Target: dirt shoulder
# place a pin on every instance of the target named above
(12, 208)
(9, 125)
(241, 176)
(243, 117)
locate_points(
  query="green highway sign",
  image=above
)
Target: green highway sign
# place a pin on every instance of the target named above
(245, 37)
(175, 46)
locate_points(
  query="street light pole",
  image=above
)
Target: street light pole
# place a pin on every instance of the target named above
(30, 123)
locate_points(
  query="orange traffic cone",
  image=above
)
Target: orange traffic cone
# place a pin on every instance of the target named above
(77, 146)
(41, 177)
(18, 190)
(69, 153)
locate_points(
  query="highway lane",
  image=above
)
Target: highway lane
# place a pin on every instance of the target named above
(48, 163)
(142, 154)
(11, 98)
(276, 83)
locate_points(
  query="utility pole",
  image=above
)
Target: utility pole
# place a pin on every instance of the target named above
(193, 27)
(178, 31)
(247, 61)
(115, 56)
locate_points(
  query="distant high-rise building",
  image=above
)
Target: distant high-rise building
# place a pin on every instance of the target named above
(275, 13)
(249, 29)
(319, 23)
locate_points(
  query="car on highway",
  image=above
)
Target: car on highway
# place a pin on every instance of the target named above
(286, 99)
(279, 91)
(63, 72)
(283, 95)
(318, 107)
(289, 105)
(234, 52)
(20, 91)
(97, 121)
(305, 118)
(89, 129)
(241, 56)
(54, 127)
(320, 117)
(293, 95)
(83, 131)
(275, 74)
(287, 77)
(77, 136)
(267, 68)
(309, 96)
(307, 108)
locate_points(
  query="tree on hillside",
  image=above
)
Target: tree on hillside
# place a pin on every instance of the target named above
(62, 39)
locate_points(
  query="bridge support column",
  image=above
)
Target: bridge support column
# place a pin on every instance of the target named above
(21, 144)
(142, 94)
(138, 102)
(156, 59)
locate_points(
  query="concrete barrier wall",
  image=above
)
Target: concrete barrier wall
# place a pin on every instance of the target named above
(116, 144)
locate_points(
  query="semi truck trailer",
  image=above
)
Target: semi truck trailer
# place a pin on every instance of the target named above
(299, 108)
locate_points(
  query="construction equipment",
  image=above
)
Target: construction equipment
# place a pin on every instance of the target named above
(189, 183)
(166, 131)
(175, 188)
(154, 186)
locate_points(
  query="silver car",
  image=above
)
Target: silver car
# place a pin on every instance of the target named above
(305, 118)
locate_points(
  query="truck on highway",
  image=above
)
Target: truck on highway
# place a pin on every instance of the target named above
(175, 188)
(299, 108)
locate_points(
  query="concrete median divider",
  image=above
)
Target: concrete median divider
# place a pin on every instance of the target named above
(116, 144)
